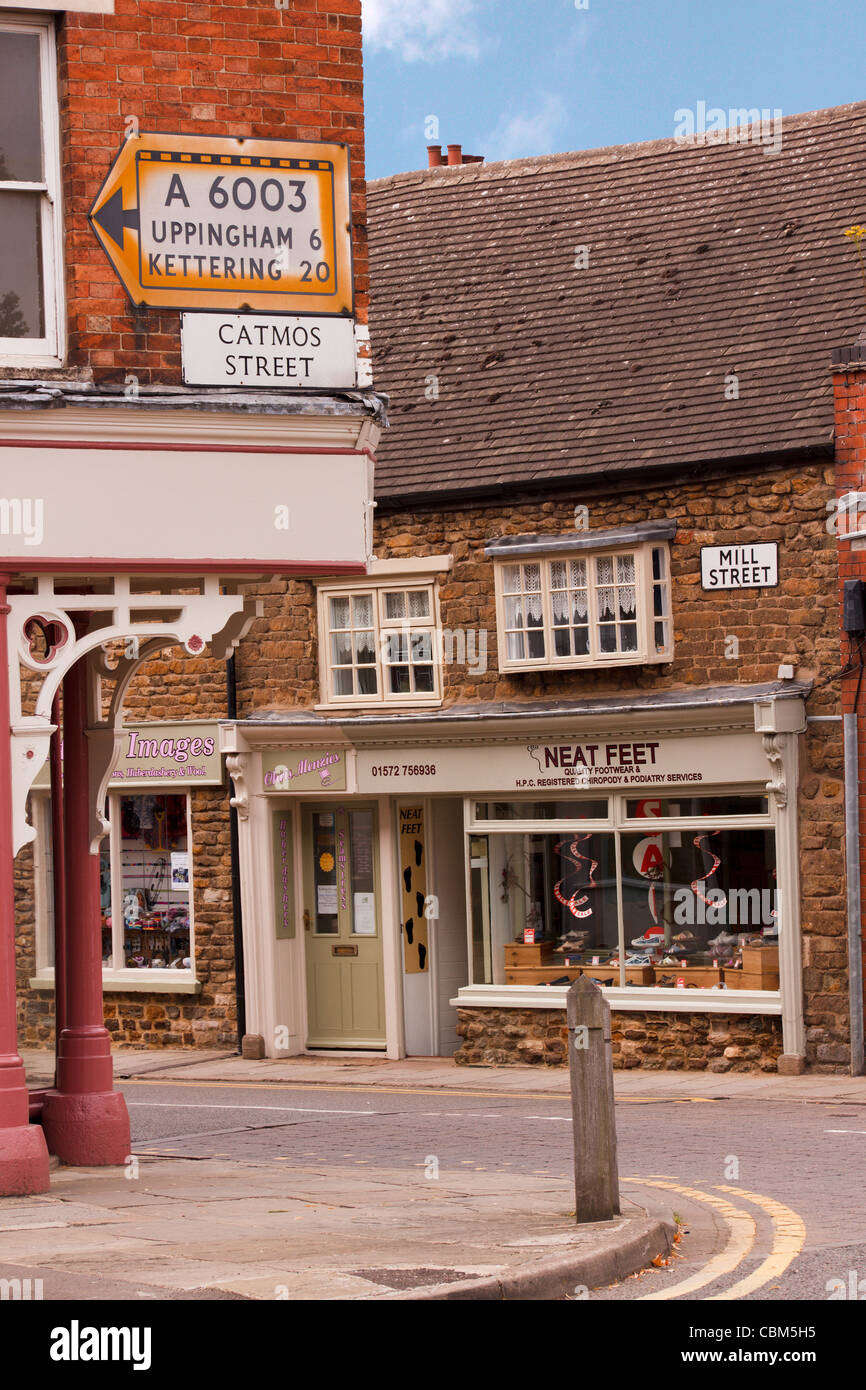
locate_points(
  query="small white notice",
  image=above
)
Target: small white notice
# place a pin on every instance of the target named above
(365, 914)
(739, 566)
(326, 899)
(268, 351)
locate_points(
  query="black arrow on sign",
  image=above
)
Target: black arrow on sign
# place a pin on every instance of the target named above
(112, 219)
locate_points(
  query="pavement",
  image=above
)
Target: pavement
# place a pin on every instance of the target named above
(442, 1074)
(191, 1227)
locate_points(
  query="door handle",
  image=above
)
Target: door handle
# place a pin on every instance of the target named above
(306, 919)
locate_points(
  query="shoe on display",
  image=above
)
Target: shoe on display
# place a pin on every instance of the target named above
(723, 942)
(650, 937)
(638, 960)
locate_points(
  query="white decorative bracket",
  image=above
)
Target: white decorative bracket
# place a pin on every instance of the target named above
(237, 766)
(776, 786)
(191, 620)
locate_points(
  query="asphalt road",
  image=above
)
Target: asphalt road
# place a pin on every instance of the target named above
(770, 1194)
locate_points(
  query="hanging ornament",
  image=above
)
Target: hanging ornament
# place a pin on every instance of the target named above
(705, 850)
(576, 901)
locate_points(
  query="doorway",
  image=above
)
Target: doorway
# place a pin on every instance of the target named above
(343, 927)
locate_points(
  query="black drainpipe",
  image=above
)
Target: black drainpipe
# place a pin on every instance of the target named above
(237, 917)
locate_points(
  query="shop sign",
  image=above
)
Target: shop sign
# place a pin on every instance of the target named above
(413, 889)
(268, 351)
(310, 770)
(739, 566)
(239, 509)
(284, 876)
(202, 222)
(603, 762)
(183, 755)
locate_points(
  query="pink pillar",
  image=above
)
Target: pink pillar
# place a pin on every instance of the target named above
(85, 1120)
(23, 1155)
(56, 763)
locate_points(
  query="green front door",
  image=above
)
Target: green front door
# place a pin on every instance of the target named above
(342, 928)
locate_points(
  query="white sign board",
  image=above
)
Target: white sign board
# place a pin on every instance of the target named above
(267, 351)
(241, 509)
(739, 566)
(603, 762)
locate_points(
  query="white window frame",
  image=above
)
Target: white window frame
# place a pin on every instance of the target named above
(147, 978)
(396, 583)
(47, 351)
(645, 619)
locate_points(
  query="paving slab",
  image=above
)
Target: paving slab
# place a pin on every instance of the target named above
(262, 1231)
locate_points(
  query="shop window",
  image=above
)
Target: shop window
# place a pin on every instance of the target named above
(584, 609)
(145, 885)
(693, 906)
(30, 228)
(381, 644)
(147, 901)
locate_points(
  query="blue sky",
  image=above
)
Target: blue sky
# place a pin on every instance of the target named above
(508, 79)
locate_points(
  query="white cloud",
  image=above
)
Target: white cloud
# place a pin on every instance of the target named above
(527, 134)
(423, 30)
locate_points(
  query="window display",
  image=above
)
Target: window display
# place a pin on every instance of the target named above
(153, 884)
(678, 903)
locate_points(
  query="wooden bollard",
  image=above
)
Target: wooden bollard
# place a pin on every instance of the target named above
(590, 1065)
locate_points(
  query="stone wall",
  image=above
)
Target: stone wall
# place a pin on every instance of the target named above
(652, 1041)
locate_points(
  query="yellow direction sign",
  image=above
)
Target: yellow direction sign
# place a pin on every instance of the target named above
(201, 222)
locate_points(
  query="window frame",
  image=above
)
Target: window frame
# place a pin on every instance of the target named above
(619, 824)
(49, 350)
(595, 659)
(114, 975)
(384, 628)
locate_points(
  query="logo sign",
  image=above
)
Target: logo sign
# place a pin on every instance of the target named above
(268, 350)
(182, 755)
(739, 566)
(195, 222)
(313, 770)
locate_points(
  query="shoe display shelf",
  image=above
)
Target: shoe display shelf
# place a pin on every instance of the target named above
(703, 976)
(760, 969)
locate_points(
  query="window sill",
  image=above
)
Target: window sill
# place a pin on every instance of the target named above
(139, 982)
(517, 668)
(44, 363)
(623, 1000)
(380, 706)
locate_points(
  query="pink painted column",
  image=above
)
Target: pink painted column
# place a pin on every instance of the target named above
(85, 1120)
(23, 1155)
(58, 859)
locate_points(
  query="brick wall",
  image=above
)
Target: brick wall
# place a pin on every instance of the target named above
(202, 69)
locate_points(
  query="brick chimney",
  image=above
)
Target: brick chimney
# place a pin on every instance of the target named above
(434, 156)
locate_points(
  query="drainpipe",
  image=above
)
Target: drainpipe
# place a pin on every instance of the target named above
(237, 919)
(852, 874)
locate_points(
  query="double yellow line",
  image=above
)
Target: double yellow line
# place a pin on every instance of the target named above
(789, 1235)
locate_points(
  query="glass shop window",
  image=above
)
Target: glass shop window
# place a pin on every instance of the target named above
(689, 907)
(540, 900)
(154, 885)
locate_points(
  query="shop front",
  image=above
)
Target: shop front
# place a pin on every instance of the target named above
(423, 883)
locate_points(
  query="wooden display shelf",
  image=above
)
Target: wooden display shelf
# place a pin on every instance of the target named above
(521, 955)
(539, 974)
(704, 976)
(760, 969)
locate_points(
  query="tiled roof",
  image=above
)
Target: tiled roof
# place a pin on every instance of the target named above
(703, 261)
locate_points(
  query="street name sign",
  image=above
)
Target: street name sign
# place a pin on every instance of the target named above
(215, 223)
(740, 566)
(267, 351)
